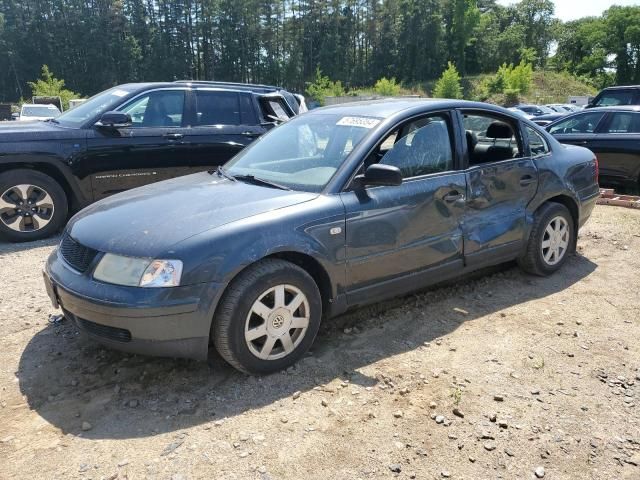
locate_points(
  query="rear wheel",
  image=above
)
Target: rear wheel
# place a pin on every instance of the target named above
(268, 317)
(551, 239)
(32, 206)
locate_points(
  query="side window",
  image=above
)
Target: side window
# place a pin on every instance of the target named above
(215, 107)
(613, 98)
(626, 122)
(162, 108)
(423, 147)
(490, 138)
(537, 144)
(582, 123)
(272, 106)
(247, 112)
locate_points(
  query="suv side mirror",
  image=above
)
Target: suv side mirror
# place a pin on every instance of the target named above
(115, 120)
(380, 175)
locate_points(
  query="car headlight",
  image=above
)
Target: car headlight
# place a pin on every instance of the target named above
(138, 272)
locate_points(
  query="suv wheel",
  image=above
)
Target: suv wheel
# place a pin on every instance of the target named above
(268, 318)
(32, 206)
(551, 240)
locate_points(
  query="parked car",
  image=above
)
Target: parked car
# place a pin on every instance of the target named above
(534, 110)
(339, 207)
(544, 120)
(613, 134)
(616, 96)
(123, 138)
(31, 111)
(559, 107)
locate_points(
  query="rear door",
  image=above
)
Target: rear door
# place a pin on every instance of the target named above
(223, 123)
(395, 232)
(617, 145)
(501, 180)
(151, 149)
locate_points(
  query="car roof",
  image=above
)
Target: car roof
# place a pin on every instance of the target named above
(388, 107)
(620, 87)
(614, 108)
(236, 87)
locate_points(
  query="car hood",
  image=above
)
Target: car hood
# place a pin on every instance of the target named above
(148, 221)
(31, 130)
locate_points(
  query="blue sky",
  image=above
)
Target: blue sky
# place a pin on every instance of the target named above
(572, 9)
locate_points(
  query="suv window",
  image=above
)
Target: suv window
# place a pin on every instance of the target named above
(615, 97)
(581, 123)
(490, 138)
(623, 122)
(424, 148)
(537, 144)
(161, 108)
(216, 107)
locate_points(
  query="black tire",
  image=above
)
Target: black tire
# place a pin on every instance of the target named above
(228, 329)
(44, 183)
(532, 261)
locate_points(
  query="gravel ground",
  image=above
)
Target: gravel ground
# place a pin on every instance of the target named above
(501, 376)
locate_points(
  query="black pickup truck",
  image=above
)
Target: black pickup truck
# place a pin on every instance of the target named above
(126, 137)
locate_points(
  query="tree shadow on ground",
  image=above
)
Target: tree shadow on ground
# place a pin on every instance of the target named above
(67, 379)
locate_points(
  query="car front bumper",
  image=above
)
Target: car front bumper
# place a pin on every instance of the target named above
(168, 322)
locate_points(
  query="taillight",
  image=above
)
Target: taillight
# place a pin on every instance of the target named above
(597, 169)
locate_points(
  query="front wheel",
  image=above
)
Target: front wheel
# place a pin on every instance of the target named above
(268, 317)
(32, 205)
(550, 241)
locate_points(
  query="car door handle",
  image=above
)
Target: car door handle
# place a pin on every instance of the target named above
(526, 180)
(250, 134)
(174, 136)
(453, 196)
(583, 142)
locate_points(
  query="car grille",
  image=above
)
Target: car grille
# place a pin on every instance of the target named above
(75, 254)
(111, 333)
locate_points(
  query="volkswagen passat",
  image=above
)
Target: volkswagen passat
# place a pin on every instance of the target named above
(336, 208)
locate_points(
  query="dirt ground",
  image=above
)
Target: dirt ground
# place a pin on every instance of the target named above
(500, 376)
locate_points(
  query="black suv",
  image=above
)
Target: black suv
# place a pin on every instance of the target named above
(617, 96)
(122, 138)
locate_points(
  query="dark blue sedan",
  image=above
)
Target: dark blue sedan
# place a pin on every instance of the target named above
(336, 208)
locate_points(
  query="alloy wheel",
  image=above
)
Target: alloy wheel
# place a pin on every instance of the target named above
(277, 322)
(26, 208)
(555, 240)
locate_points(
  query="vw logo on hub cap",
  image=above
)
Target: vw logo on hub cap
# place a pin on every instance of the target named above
(278, 321)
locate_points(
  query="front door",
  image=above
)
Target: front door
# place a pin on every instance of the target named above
(396, 233)
(501, 180)
(153, 148)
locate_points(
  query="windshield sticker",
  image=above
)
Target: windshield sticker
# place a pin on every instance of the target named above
(119, 93)
(364, 122)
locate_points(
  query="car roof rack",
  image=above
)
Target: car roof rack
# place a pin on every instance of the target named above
(246, 86)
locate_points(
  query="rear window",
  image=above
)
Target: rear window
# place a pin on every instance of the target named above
(623, 122)
(214, 107)
(615, 97)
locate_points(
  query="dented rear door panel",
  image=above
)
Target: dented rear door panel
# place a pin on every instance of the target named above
(495, 217)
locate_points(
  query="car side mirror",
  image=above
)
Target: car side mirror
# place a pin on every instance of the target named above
(115, 120)
(380, 175)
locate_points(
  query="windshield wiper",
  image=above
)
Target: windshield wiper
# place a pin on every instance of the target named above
(221, 173)
(260, 181)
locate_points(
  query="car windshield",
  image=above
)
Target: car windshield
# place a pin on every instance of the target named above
(304, 153)
(40, 111)
(95, 106)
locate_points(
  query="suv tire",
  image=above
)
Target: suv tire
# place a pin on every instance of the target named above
(43, 210)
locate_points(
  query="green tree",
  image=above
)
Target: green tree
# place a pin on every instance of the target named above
(448, 86)
(387, 87)
(49, 86)
(323, 87)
